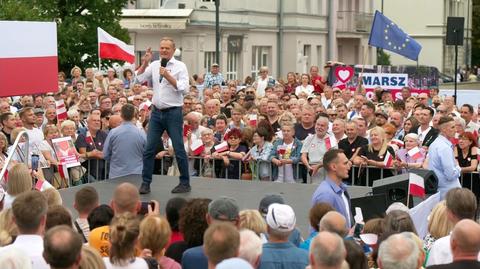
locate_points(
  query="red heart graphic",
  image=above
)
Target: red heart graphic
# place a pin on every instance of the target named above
(344, 73)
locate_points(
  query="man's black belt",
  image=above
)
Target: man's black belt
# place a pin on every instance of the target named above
(165, 109)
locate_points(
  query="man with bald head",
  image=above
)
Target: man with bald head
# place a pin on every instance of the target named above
(125, 199)
(333, 222)
(399, 251)
(114, 121)
(327, 251)
(465, 246)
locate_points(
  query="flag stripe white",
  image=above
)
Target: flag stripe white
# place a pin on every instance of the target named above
(41, 40)
(104, 37)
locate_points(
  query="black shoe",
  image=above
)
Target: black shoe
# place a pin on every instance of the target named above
(144, 189)
(180, 188)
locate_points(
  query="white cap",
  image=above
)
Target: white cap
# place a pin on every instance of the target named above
(281, 217)
(397, 206)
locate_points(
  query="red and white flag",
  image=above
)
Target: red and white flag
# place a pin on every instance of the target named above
(398, 142)
(61, 110)
(388, 160)
(28, 48)
(89, 138)
(221, 147)
(42, 185)
(197, 147)
(415, 153)
(252, 119)
(416, 185)
(63, 171)
(110, 47)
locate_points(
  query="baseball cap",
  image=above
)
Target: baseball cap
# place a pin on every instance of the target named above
(281, 217)
(397, 206)
(381, 113)
(223, 208)
(38, 111)
(268, 200)
(215, 64)
(234, 263)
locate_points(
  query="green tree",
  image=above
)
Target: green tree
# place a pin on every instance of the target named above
(476, 33)
(382, 57)
(77, 23)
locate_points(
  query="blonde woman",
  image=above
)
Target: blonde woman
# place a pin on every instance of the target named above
(373, 155)
(438, 225)
(124, 231)
(154, 235)
(252, 220)
(19, 181)
(91, 259)
(8, 228)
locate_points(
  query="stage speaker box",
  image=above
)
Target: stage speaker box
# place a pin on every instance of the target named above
(455, 26)
(395, 188)
(373, 206)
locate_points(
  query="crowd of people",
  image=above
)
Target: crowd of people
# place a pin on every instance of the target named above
(38, 231)
(301, 129)
(274, 130)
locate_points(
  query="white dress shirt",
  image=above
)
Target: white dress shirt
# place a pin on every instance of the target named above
(32, 246)
(165, 95)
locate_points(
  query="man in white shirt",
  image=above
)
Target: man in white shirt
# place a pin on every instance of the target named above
(35, 135)
(461, 204)
(30, 215)
(170, 81)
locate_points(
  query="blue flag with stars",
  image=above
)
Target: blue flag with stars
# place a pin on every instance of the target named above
(387, 35)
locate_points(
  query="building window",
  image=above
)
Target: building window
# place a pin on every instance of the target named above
(261, 56)
(319, 56)
(209, 60)
(147, 4)
(307, 52)
(232, 65)
(139, 54)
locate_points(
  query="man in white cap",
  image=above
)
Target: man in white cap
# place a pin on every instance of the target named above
(279, 252)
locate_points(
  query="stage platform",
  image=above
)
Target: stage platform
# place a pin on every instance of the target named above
(247, 193)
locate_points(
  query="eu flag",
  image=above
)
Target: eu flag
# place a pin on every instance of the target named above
(387, 35)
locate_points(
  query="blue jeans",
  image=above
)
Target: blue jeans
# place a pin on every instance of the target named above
(170, 120)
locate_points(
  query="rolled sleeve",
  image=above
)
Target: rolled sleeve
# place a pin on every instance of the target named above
(183, 82)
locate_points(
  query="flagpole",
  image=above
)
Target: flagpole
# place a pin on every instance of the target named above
(360, 82)
(408, 195)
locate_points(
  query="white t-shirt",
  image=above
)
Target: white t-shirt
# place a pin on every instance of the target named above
(138, 263)
(441, 253)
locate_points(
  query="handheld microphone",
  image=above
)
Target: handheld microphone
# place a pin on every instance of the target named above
(163, 64)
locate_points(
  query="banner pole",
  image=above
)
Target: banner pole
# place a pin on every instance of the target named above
(360, 80)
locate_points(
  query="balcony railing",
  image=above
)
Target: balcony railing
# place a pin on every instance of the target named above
(354, 21)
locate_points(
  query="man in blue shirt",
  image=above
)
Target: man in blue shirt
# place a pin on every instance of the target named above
(441, 159)
(332, 190)
(279, 253)
(124, 146)
(213, 77)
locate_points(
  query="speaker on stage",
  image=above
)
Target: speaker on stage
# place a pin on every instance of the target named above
(455, 31)
(395, 188)
(373, 206)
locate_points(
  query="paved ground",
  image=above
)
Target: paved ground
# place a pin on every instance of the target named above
(247, 193)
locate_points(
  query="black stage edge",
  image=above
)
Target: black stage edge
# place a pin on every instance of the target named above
(247, 193)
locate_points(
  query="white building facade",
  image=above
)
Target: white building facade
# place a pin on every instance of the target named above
(285, 35)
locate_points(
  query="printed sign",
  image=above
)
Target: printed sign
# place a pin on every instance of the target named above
(387, 81)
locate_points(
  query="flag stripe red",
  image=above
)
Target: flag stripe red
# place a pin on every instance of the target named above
(112, 51)
(42, 75)
(417, 191)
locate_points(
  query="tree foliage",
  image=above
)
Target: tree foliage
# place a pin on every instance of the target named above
(476, 33)
(77, 23)
(382, 57)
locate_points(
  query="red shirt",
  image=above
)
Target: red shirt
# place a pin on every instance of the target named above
(317, 88)
(176, 236)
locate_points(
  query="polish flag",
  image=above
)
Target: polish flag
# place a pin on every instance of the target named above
(61, 110)
(414, 153)
(252, 119)
(388, 160)
(28, 48)
(89, 138)
(110, 47)
(197, 146)
(221, 147)
(416, 185)
(42, 185)
(398, 142)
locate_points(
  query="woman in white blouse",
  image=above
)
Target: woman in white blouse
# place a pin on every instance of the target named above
(304, 87)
